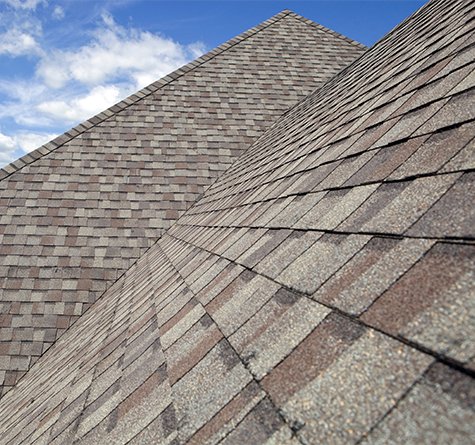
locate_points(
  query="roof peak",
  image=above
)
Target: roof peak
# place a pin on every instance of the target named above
(291, 13)
(52, 145)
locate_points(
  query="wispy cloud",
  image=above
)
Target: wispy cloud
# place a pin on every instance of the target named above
(81, 107)
(12, 147)
(58, 13)
(24, 4)
(116, 53)
(19, 32)
(16, 42)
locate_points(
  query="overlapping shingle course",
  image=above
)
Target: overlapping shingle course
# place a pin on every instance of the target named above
(317, 293)
(76, 213)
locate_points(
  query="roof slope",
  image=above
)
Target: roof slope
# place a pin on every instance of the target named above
(320, 292)
(75, 214)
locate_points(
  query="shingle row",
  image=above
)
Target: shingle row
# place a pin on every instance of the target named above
(94, 200)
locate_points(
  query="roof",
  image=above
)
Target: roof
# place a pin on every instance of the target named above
(321, 290)
(78, 212)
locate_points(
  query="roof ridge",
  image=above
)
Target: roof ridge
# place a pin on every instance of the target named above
(82, 127)
(393, 31)
(325, 29)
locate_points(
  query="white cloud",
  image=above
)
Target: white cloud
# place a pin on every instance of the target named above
(25, 4)
(19, 33)
(13, 147)
(82, 107)
(51, 75)
(23, 97)
(16, 42)
(31, 141)
(7, 143)
(197, 49)
(58, 13)
(117, 53)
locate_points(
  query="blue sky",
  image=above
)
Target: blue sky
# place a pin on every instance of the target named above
(62, 61)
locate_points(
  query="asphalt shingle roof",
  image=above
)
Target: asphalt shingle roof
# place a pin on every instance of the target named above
(77, 213)
(321, 290)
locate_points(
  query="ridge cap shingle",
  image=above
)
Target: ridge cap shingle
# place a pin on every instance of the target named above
(325, 29)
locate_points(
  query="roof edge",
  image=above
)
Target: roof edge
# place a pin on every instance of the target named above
(52, 145)
(325, 29)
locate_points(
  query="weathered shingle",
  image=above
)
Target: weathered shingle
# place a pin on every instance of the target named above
(275, 311)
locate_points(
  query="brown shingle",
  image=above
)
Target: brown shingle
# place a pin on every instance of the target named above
(453, 215)
(442, 398)
(311, 357)
(431, 303)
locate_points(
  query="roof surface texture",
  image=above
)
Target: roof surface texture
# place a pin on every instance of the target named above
(320, 292)
(95, 199)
